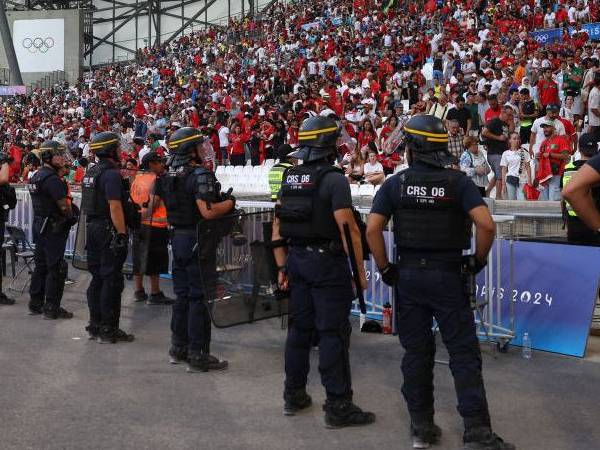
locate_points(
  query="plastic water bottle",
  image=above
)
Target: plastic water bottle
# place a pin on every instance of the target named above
(526, 346)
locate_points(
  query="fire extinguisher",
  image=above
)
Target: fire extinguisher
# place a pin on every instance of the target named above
(387, 319)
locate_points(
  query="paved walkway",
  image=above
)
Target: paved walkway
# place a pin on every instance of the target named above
(61, 391)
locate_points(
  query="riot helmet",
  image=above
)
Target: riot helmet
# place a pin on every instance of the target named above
(317, 137)
(106, 145)
(182, 146)
(427, 138)
(50, 149)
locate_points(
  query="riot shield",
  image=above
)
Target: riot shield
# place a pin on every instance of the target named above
(238, 271)
(79, 250)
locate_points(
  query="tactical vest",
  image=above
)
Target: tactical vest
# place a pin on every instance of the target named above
(182, 210)
(43, 204)
(275, 178)
(93, 201)
(141, 193)
(570, 170)
(429, 215)
(306, 217)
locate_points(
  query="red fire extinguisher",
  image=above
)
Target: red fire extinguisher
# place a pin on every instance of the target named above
(387, 319)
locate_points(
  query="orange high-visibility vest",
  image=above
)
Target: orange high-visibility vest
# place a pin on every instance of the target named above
(141, 191)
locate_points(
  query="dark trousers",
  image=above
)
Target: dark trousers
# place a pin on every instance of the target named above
(190, 323)
(106, 267)
(422, 295)
(321, 296)
(48, 278)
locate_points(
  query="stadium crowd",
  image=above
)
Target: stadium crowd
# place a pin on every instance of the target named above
(370, 63)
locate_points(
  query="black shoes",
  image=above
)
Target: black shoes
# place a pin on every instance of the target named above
(178, 355)
(295, 402)
(425, 435)
(344, 413)
(109, 335)
(140, 296)
(4, 300)
(205, 363)
(57, 313)
(159, 299)
(93, 332)
(482, 438)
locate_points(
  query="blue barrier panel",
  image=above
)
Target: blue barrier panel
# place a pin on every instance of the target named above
(550, 35)
(555, 287)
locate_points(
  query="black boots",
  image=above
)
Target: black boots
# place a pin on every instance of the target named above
(159, 299)
(295, 401)
(110, 335)
(205, 362)
(425, 435)
(344, 413)
(178, 355)
(51, 313)
(4, 300)
(482, 438)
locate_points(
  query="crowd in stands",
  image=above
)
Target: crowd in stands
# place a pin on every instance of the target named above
(513, 108)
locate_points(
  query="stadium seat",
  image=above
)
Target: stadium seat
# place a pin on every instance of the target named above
(366, 190)
(354, 190)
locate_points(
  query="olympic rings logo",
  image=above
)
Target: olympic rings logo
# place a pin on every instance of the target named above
(38, 44)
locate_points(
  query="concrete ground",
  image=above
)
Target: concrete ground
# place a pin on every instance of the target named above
(60, 391)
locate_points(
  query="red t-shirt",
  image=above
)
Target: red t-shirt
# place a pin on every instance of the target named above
(492, 113)
(548, 92)
(556, 145)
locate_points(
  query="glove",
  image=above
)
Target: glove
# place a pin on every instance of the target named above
(5, 158)
(228, 196)
(74, 217)
(389, 274)
(119, 242)
(472, 265)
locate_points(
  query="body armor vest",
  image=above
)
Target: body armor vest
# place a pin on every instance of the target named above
(93, 200)
(430, 215)
(182, 210)
(304, 216)
(43, 204)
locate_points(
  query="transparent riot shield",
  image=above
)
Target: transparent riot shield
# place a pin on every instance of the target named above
(238, 270)
(80, 254)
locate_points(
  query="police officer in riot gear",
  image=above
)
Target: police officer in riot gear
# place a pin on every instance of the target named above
(308, 241)
(104, 200)
(53, 217)
(577, 231)
(433, 209)
(5, 161)
(190, 193)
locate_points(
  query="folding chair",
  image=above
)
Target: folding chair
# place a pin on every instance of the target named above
(22, 250)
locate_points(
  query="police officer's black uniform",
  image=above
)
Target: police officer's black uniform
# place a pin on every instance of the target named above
(106, 249)
(7, 195)
(184, 184)
(577, 231)
(319, 275)
(51, 227)
(429, 204)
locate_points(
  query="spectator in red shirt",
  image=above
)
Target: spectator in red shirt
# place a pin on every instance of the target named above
(547, 90)
(494, 109)
(556, 150)
(237, 146)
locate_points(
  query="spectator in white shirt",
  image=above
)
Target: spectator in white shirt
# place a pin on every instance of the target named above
(373, 170)
(516, 170)
(224, 142)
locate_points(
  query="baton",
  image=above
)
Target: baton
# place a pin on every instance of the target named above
(354, 266)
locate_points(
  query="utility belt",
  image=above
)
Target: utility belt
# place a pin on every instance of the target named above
(333, 248)
(52, 224)
(182, 229)
(414, 262)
